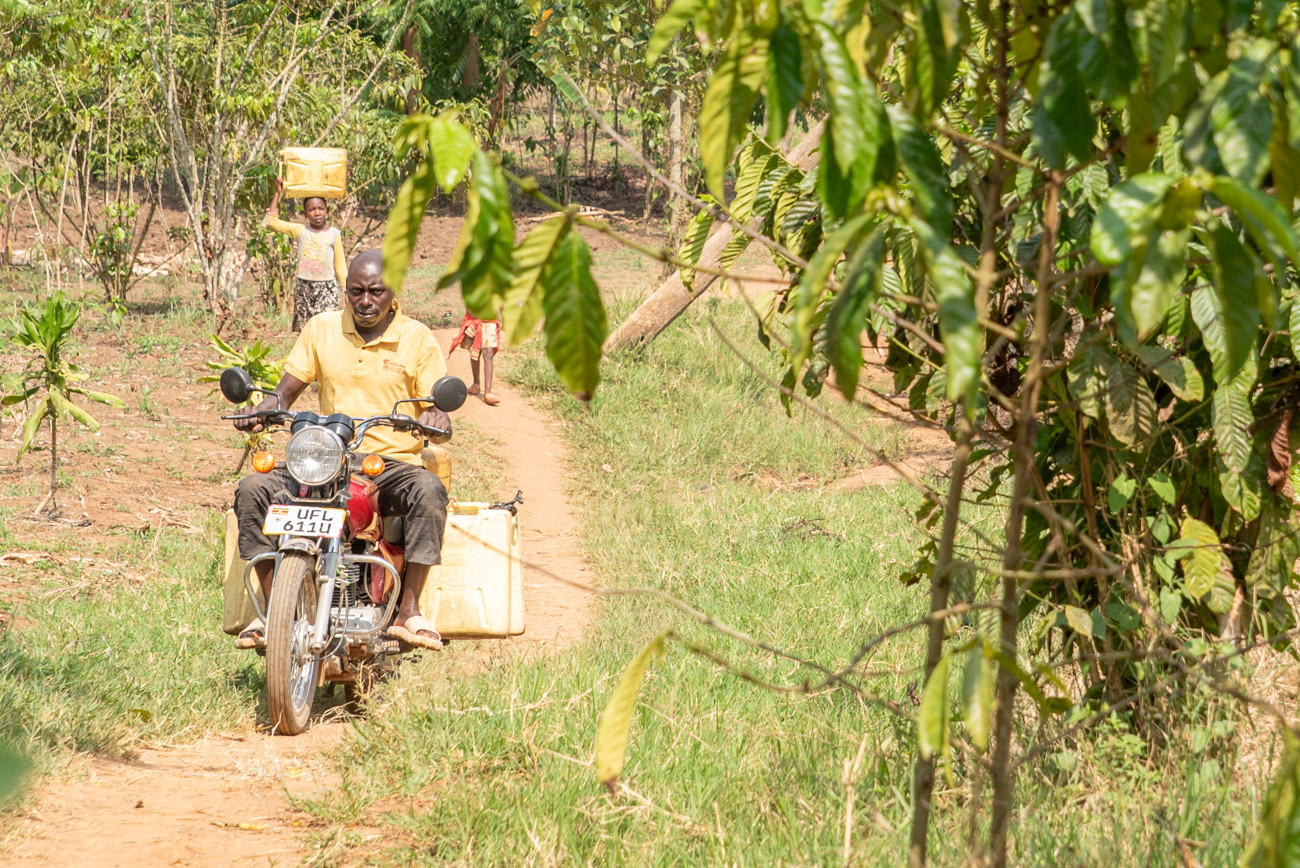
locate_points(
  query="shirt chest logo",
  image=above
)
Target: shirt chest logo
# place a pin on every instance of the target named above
(392, 366)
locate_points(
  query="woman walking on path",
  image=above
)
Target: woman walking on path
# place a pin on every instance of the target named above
(322, 270)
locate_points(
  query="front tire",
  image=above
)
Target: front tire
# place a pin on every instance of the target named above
(291, 668)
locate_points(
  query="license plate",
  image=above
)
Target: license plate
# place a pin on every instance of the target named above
(304, 521)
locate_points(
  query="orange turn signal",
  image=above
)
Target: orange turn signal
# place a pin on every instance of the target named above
(263, 462)
(372, 465)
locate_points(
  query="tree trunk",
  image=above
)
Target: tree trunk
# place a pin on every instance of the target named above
(54, 463)
(940, 585)
(471, 77)
(408, 48)
(1026, 430)
(672, 297)
(649, 182)
(677, 213)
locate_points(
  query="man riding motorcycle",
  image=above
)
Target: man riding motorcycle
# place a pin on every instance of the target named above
(366, 357)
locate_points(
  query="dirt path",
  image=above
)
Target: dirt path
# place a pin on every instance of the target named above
(222, 802)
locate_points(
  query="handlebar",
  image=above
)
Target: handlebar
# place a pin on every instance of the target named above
(264, 414)
(398, 421)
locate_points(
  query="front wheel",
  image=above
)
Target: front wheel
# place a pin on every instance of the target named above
(291, 667)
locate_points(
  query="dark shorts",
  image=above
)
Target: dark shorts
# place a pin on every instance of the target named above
(404, 489)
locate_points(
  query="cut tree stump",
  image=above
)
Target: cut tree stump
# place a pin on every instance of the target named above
(672, 297)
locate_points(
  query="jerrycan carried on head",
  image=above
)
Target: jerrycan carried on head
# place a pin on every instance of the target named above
(314, 172)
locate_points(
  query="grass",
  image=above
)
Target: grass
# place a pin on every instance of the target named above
(685, 468)
(120, 650)
(679, 462)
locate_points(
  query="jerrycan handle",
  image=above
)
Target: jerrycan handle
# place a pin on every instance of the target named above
(512, 505)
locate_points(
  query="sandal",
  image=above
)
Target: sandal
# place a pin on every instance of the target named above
(410, 632)
(253, 636)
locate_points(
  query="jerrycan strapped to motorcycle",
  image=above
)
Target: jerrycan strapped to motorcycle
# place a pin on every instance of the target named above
(314, 172)
(478, 590)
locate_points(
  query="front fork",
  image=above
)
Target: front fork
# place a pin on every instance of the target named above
(327, 570)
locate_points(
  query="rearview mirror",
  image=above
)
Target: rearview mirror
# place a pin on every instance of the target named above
(237, 385)
(449, 393)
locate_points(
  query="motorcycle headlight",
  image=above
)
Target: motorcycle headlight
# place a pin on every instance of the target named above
(314, 456)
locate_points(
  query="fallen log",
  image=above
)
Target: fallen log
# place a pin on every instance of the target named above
(672, 297)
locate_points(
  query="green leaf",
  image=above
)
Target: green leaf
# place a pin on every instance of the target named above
(576, 326)
(728, 103)
(844, 94)
(1163, 487)
(1130, 406)
(977, 696)
(1086, 380)
(412, 134)
(1178, 372)
(1263, 218)
(404, 223)
(1277, 842)
(1271, 566)
(1098, 624)
(452, 145)
(673, 20)
(565, 88)
(784, 79)
(1128, 214)
(100, 397)
(19, 397)
(848, 314)
(1063, 121)
(1232, 423)
(932, 721)
(1126, 619)
(1207, 313)
(32, 425)
(1241, 117)
(697, 232)
(1120, 492)
(1235, 272)
(1160, 269)
(958, 322)
(616, 720)
(1294, 325)
(751, 175)
(63, 407)
(1079, 620)
(934, 56)
(924, 168)
(482, 259)
(523, 300)
(1242, 489)
(812, 288)
(1204, 559)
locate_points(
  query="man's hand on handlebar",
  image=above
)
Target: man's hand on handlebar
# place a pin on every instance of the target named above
(434, 418)
(252, 426)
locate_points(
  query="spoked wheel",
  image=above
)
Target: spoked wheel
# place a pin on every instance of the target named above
(291, 668)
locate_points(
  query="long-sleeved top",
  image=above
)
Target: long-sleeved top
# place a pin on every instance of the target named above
(320, 253)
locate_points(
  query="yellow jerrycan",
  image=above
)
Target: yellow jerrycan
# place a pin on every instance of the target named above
(478, 590)
(314, 172)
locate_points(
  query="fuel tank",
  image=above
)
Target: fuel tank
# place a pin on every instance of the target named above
(363, 509)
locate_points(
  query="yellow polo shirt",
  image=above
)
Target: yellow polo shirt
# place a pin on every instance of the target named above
(365, 379)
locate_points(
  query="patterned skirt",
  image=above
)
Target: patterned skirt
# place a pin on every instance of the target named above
(311, 297)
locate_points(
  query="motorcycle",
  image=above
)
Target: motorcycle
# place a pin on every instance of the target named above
(339, 565)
